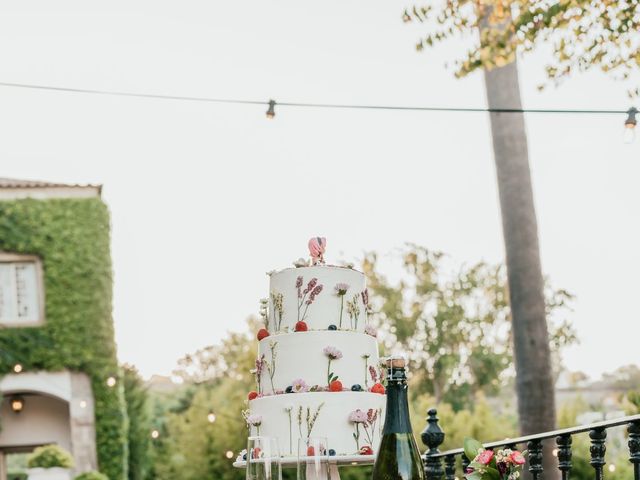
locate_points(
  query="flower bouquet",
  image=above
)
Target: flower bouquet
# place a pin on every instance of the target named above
(502, 464)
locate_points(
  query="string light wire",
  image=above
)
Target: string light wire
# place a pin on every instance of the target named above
(271, 103)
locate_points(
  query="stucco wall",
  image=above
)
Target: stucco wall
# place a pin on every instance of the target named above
(44, 420)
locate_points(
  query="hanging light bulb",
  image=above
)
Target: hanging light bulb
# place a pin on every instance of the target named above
(17, 404)
(211, 417)
(17, 368)
(155, 434)
(111, 382)
(630, 125)
(229, 454)
(271, 112)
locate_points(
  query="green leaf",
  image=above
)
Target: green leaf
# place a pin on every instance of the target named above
(491, 474)
(471, 447)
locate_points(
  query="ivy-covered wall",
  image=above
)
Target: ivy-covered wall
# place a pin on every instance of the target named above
(71, 236)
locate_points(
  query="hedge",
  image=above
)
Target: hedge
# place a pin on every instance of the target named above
(50, 456)
(71, 237)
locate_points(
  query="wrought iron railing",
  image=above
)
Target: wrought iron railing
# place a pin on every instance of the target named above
(433, 436)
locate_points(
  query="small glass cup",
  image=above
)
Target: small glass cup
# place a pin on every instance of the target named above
(313, 459)
(263, 459)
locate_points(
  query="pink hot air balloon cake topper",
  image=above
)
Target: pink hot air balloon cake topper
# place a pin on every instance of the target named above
(317, 247)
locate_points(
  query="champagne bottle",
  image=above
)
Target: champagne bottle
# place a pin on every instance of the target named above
(398, 455)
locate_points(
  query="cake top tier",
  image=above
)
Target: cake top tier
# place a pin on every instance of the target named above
(316, 296)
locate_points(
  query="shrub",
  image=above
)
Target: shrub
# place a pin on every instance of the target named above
(93, 475)
(50, 456)
(17, 476)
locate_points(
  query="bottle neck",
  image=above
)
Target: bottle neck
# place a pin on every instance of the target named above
(397, 415)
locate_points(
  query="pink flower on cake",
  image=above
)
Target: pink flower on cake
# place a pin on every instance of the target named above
(371, 330)
(333, 353)
(254, 420)
(317, 247)
(299, 386)
(341, 288)
(358, 416)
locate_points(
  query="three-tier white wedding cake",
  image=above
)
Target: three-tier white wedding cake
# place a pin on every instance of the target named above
(317, 370)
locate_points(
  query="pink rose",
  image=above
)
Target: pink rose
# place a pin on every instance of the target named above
(484, 457)
(516, 458)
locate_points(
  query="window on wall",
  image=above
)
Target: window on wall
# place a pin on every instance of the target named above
(21, 296)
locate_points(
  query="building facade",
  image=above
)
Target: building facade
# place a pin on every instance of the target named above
(58, 370)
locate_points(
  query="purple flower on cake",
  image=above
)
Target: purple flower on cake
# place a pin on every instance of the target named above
(306, 296)
(310, 286)
(358, 416)
(365, 297)
(372, 416)
(260, 361)
(373, 373)
(371, 330)
(314, 293)
(299, 386)
(333, 353)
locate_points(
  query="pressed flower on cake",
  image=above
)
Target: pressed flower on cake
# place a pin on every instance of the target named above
(332, 353)
(357, 417)
(299, 386)
(341, 290)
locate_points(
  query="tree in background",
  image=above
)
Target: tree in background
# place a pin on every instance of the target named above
(135, 394)
(590, 33)
(583, 34)
(455, 325)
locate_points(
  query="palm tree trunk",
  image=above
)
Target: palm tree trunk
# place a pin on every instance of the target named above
(534, 380)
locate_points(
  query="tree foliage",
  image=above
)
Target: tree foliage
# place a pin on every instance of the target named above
(455, 325)
(583, 33)
(136, 398)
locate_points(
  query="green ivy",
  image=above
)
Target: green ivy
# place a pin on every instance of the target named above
(71, 237)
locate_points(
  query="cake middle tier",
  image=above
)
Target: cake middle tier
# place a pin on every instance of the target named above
(310, 361)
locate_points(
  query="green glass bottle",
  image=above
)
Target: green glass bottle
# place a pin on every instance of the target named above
(398, 455)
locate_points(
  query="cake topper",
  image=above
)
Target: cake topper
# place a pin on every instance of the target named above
(317, 247)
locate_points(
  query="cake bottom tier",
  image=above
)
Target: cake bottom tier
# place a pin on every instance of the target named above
(290, 417)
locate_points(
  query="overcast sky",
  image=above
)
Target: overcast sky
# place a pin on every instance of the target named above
(205, 198)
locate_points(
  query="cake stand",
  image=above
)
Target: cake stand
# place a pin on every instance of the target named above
(334, 463)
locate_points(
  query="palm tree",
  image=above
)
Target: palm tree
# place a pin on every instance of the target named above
(534, 379)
